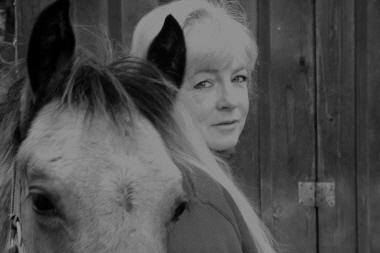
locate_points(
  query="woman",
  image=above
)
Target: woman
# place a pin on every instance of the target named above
(221, 55)
(220, 51)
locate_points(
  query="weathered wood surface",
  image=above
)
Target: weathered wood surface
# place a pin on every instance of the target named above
(287, 120)
(368, 124)
(7, 30)
(336, 123)
(116, 17)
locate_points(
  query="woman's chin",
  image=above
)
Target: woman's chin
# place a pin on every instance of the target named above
(222, 144)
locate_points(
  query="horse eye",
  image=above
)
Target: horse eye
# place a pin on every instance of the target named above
(179, 211)
(42, 204)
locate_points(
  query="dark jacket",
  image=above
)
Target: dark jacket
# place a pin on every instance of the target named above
(211, 222)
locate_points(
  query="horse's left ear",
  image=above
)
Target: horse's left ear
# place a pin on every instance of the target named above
(51, 49)
(50, 54)
(168, 51)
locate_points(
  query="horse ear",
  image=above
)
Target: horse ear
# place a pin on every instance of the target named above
(51, 48)
(168, 51)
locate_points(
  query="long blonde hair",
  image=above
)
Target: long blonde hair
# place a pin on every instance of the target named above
(216, 16)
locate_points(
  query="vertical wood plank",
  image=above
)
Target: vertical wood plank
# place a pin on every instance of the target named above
(27, 12)
(10, 20)
(90, 13)
(368, 124)
(114, 20)
(336, 122)
(287, 119)
(246, 158)
(7, 16)
(363, 175)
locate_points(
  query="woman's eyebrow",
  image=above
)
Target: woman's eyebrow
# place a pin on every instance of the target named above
(240, 68)
(206, 71)
(214, 71)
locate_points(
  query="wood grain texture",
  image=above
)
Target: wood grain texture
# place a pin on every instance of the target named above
(287, 120)
(368, 124)
(117, 18)
(90, 13)
(336, 122)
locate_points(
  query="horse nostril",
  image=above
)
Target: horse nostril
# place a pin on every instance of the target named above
(179, 211)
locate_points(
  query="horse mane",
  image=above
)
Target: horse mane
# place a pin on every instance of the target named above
(10, 97)
(9, 115)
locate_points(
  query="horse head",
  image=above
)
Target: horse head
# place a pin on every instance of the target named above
(90, 144)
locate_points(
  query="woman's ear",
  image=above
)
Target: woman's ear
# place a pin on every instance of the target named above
(168, 51)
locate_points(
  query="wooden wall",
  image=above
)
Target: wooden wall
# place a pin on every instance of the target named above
(317, 119)
(367, 84)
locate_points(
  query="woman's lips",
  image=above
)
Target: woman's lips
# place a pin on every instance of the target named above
(226, 125)
(229, 122)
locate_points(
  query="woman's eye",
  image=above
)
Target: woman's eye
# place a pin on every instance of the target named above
(203, 85)
(239, 79)
(42, 205)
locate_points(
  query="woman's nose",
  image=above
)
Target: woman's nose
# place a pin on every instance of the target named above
(228, 98)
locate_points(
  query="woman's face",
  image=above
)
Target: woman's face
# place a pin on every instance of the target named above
(221, 103)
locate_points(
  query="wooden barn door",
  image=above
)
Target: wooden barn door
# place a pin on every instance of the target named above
(315, 134)
(367, 59)
(315, 128)
(287, 120)
(335, 128)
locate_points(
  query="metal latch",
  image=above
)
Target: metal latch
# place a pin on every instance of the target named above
(316, 194)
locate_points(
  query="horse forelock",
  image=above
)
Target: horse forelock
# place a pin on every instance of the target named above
(123, 86)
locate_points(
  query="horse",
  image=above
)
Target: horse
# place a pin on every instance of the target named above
(86, 147)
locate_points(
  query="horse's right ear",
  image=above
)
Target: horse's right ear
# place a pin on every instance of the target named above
(51, 50)
(168, 51)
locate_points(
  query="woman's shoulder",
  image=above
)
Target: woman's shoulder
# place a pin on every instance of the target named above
(207, 191)
(209, 223)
